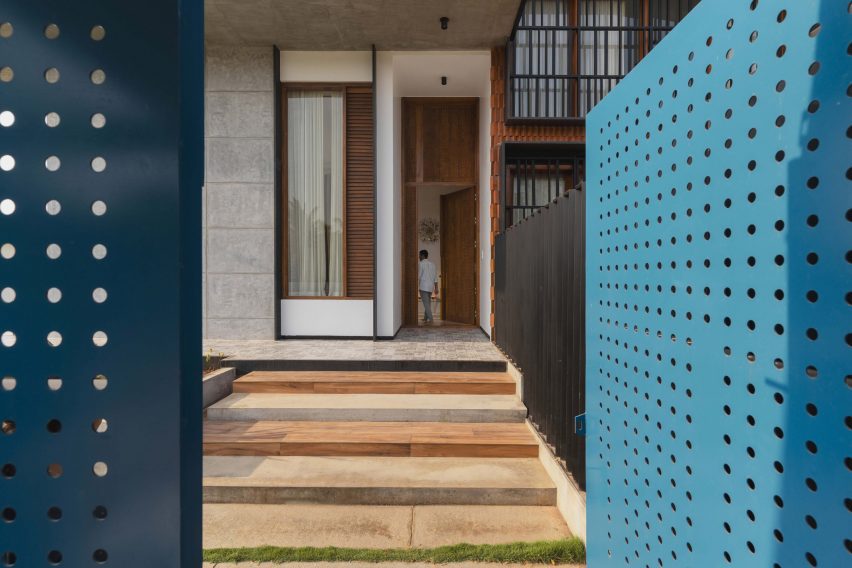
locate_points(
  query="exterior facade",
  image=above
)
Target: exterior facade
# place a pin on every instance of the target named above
(329, 162)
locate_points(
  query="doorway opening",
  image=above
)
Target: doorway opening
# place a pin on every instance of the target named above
(439, 208)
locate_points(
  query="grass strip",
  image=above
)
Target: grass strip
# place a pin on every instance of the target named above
(567, 551)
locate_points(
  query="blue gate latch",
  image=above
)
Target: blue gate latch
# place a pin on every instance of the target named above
(580, 424)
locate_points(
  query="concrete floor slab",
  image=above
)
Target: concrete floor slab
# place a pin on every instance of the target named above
(234, 526)
(370, 407)
(441, 525)
(377, 480)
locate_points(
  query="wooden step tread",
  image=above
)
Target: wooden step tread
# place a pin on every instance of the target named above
(271, 438)
(349, 382)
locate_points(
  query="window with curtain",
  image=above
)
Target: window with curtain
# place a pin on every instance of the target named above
(315, 225)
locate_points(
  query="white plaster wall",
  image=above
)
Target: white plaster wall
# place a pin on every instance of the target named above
(326, 66)
(238, 200)
(418, 74)
(340, 318)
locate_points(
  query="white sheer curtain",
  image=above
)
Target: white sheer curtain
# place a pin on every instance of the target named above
(315, 193)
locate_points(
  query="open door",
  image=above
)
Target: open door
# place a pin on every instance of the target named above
(458, 257)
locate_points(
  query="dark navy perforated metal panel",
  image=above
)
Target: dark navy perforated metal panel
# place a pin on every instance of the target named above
(101, 150)
(718, 295)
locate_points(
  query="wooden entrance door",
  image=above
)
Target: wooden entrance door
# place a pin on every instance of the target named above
(458, 257)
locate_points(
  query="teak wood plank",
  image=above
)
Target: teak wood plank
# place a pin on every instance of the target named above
(368, 438)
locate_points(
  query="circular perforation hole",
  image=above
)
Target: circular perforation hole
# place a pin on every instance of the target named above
(54, 470)
(54, 383)
(6, 30)
(53, 207)
(7, 163)
(8, 383)
(98, 33)
(100, 469)
(53, 251)
(98, 120)
(99, 338)
(99, 252)
(7, 118)
(6, 74)
(54, 339)
(99, 164)
(100, 382)
(8, 427)
(99, 295)
(52, 75)
(100, 425)
(52, 119)
(51, 31)
(52, 163)
(99, 208)
(7, 207)
(8, 338)
(98, 76)
(54, 295)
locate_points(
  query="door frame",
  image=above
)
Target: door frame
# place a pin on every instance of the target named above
(408, 205)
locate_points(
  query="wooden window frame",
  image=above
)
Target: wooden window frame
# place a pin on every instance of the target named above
(341, 88)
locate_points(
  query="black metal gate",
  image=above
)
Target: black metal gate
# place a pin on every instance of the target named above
(539, 319)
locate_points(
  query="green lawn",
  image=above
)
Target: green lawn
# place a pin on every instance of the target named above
(568, 551)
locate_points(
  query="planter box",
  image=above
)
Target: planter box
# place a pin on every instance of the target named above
(217, 385)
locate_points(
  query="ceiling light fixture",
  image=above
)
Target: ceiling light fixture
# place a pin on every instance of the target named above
(445, 22)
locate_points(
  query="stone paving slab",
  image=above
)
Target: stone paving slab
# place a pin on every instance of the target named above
(430, 344)
(355, 526)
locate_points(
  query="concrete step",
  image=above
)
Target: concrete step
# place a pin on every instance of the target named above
(374, 382)
(399, 439)
(356, 526)
(370, 407)
(376, 481)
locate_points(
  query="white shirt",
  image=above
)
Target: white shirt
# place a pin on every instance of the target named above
(428, 275)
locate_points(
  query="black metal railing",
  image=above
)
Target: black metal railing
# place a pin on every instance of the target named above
(536, 173)
(564, 56)
(539, 319)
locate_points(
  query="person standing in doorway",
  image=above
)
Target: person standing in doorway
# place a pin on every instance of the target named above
(428, 283)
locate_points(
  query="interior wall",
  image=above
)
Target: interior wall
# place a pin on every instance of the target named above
(429, 207)
(418, 74)
(238, 280)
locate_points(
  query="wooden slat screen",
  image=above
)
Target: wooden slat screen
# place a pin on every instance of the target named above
(359, 192)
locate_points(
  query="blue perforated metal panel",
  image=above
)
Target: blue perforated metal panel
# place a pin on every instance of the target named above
(100, 173)
(718, 295)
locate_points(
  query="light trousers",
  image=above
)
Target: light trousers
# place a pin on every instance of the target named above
(426, 298)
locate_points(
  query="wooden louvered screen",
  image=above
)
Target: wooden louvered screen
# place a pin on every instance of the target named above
(359, 192)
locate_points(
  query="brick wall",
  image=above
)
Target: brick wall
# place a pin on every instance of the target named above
(501, 132)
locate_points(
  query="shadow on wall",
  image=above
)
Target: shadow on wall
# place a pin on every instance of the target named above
(815, 466)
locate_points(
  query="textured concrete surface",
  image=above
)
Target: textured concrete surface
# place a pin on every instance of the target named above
(440, 525)
(418, 344)
(370, 407)
(227, 525)
(345, 25)
(238, 215)
(217, 385)
(376, 480)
